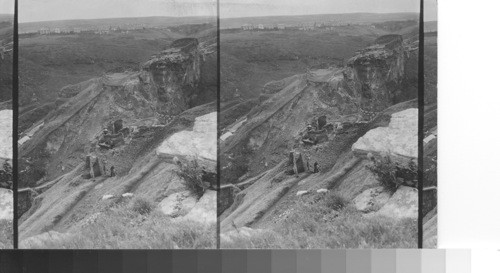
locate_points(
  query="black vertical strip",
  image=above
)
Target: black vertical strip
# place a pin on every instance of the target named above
(15, 114)
(218, 119)
(420, 124)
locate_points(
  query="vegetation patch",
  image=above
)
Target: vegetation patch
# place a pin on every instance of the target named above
(192, 178)
(393, 174)
(142, 206)
(6, 232)
(316, 225)
(124, 228)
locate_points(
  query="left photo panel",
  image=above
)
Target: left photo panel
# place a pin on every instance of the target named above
(6, 80)
(117, 124)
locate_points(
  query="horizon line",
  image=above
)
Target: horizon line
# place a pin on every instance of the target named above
(214, 16)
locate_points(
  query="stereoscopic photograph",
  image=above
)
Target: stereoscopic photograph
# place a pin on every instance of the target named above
(117, 124)
(233, 124)
(319, 124)
(6, 118)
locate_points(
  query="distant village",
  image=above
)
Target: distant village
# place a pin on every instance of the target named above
(310, 26)
(85, 30)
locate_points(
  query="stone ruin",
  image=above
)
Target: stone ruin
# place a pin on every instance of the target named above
(318, 131)
(296, 160)
(94, 167)
(113, 135)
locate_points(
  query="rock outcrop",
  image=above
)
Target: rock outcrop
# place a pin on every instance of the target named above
(402, 204)
(399, 140)
(205, 210)
(175, 74)
(6, 134)
(371, 199)
(177, 204)
(200, 143)
(6, 207)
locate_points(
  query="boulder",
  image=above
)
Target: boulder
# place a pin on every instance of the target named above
(399, 140)
(6, 134)
(198, 144)
(107, 196)
(402, 204)
(46, 239)
(6, 204)
(296, 160)
(430, 229)
(177, 204)
(322, 191)
(242, 233)
(371, 199)
(94, 167)
(205, 210)
(300, 193)
(175, 74)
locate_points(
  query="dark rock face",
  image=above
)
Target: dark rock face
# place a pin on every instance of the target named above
(5, 173)
(175, 74)
(94, 167)
(297, 162)
(378, 71)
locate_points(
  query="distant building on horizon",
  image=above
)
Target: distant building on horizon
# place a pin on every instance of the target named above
(247, 27)
(44, 31)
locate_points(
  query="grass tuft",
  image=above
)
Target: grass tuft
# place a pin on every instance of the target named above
(142, 206)
(191, 174)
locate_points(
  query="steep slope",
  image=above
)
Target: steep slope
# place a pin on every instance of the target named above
(104, 153)
(6, 46)
(6, 194)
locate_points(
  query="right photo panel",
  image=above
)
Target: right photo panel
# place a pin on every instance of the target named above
(318, 124)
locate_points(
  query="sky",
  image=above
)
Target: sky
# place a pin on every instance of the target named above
(248, 8)
(6, 6)
(48, 10)
(51, 10)
(430, 10)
